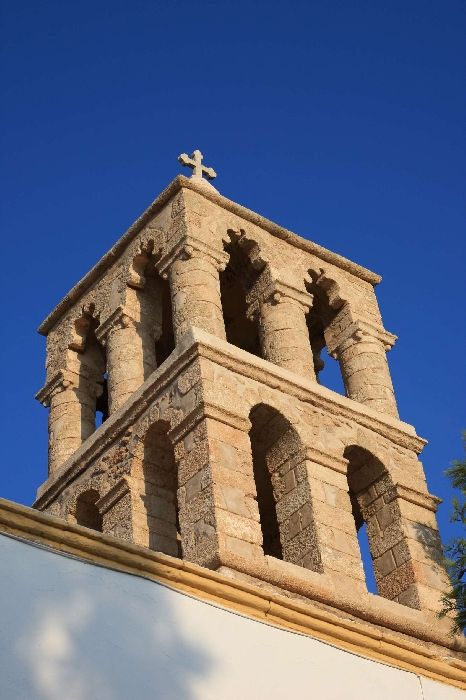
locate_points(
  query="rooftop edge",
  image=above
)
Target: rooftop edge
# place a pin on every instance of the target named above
(175, 186)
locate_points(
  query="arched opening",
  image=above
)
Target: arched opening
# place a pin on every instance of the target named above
(378, 523)
(367, 565)
(92, 361)
(159, 491)
(87, 514)
(364, 472)
(152, 305)
(286, 518)
(236, 282)
(320, 315)
(165, 344)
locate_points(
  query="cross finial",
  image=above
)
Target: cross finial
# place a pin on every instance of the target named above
(195, 162)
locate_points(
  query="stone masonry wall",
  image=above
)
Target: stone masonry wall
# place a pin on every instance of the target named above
(205, 415)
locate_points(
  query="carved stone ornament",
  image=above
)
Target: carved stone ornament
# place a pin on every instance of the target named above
(117, 320)
(62, 380)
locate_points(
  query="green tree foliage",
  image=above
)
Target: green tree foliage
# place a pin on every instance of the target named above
(455, 600)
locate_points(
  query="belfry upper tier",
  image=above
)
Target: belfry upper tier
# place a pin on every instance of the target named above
(197, 259)
(221, 214)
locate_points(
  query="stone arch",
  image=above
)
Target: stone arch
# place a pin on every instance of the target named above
(283, 491)
(148, 301)
(154, 474)
(89, 361)
(86, 511)
(327, 303)
(236, 281)
(374, 503)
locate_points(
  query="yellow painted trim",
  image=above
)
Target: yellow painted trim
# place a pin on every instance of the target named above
(247, 599)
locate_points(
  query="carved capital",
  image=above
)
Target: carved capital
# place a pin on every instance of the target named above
(61, 381)
(117, 320)
(189, 247)
(268, 289)
(346, 330)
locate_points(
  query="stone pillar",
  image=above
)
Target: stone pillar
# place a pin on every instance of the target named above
(195, 289)
(131, 358)
(334, 524)
(218, 512)
(284, 336)
(404, 539)
(295, 511)
(361, 349)
(72, 403)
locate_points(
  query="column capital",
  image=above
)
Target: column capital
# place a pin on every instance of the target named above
(356, 330)
(189, 247)
(269, 289)
(66, 379)
(61, 380)
(117, 320)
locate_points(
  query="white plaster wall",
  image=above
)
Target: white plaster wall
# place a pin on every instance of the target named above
(74, 631)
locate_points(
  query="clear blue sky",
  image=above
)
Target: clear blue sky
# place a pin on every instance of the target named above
(343, 121)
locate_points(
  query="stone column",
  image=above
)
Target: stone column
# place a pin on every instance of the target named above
(361, 349)
(284, 336)
(131, 358)
(72, 401)
(195, 289)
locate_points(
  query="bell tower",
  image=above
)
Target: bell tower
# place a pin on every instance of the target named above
(188, 411)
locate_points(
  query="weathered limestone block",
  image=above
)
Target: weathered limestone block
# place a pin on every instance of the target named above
(117, 516)
(281, 311)
(360, 349)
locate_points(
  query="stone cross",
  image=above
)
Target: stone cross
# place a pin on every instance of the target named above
(195, 162)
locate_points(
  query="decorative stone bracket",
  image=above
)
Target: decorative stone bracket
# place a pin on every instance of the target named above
(81, 328)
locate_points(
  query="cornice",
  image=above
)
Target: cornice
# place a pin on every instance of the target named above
(237, 209)
(197, 343)
(241, 362)
(442, 662)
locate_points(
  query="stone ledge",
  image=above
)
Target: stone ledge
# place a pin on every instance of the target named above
(443, 662)
(168, 193)
(198, 343)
